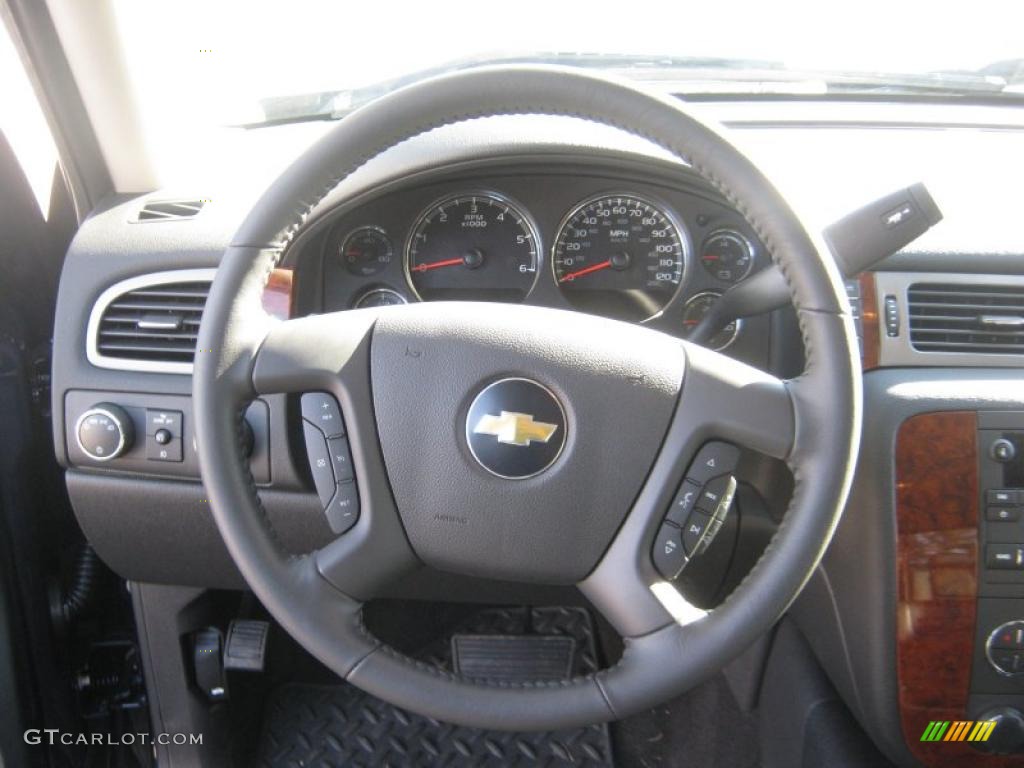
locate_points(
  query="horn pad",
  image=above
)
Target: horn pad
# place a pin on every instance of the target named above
(465, 397)
(515, 428)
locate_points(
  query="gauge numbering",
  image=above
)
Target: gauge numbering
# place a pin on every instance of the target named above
(619, 255)
(479, 246)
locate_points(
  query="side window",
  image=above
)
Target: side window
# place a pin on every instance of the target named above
(23, 124)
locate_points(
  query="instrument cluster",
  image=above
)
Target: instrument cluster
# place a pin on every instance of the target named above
(625, 248)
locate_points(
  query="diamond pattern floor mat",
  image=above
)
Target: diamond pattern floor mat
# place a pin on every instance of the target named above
(339, 725)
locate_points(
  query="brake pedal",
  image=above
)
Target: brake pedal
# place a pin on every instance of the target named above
(513, 658)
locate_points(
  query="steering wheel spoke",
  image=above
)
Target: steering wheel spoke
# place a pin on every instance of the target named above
(723, 404)
(313, 353)
(732, 401)
(330, 354)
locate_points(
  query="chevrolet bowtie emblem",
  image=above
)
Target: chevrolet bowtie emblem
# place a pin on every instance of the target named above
(514, 428)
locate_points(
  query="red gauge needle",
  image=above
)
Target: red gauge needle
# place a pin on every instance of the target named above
(436, 264)
(586, 271)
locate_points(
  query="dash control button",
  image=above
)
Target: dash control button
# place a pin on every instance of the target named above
(1002, 514)
(668, 555)
(1009, 635)
(1005, 557)
(322, 410)
(170, 450)
(157, 420)
(1003, 496)
(104, 432)
(1005, 649)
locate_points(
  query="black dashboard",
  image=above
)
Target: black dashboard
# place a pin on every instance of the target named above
(637, 246)
(545, 220)
(149, 519)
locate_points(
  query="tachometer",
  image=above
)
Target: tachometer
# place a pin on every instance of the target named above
(472, 246)
(619, 255)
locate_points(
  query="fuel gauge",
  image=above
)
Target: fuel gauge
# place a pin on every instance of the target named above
(379, 297)
(694, 311)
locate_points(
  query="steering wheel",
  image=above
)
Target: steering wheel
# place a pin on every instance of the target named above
(633, 407)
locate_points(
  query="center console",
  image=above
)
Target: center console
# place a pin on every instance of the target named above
(960, 622)
(997, 670)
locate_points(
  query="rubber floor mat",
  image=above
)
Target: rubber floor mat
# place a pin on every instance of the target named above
(339, 725)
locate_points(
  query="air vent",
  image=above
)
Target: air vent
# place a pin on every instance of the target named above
(966, 318)
(170, 210)
(149, 323)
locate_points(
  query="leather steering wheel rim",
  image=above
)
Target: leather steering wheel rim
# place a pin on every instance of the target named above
(812, 422)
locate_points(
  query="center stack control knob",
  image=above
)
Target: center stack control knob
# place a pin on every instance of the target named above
(1003, 450)
(104, 432)
(1007, 736)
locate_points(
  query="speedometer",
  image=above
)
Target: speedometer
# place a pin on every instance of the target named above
(477, 246)
(619, 255)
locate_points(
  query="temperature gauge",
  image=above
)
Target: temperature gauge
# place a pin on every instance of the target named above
(366, 251)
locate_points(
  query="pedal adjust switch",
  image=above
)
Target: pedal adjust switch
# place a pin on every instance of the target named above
(208, 664)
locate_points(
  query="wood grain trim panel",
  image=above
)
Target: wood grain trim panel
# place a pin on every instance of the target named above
(937, 566)
(278, 295)
(871, 341)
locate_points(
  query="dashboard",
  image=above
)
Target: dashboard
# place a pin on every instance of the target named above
(571, 236)
(552, 212)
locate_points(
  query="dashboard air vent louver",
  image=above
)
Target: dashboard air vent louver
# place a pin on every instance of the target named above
(150, 323)
(966, 318)
(170, 210)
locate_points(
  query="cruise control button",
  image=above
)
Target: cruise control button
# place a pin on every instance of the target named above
(343, 510)
(1003, 514)
(322, 410)
(667, 554)
(713, 460)
(341, 457)
(694, 531)
(684, 503)
(319, 462)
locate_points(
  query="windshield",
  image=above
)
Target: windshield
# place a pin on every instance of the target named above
(199, 63)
